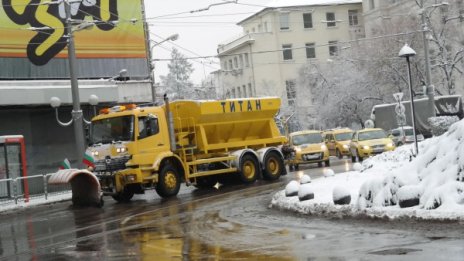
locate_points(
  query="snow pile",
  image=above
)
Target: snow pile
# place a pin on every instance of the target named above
(441, 124)
(305, 179)
(292, 188)
(328, 173)
(395, 184)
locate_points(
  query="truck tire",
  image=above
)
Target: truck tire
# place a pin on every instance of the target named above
(327, 163)
(339, 154)
(123, 196)
(360, 159)
(249, 169)
(206, 182)
(168, 182)
(274, 166)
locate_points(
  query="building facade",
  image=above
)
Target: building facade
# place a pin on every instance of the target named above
(277, 41)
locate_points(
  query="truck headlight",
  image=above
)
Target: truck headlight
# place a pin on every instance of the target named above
(121, 150)
(94, 153)
(345, 146)
(365, 147)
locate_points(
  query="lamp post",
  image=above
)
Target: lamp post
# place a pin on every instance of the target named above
(152, 66)
(407, 52)
(77, 115)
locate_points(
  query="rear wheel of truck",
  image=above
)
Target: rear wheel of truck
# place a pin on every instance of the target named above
(123, 196)
(248, 169)
(168, 182)
(274, 166)
(339, 154)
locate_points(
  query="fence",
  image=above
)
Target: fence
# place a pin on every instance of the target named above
(31, 189)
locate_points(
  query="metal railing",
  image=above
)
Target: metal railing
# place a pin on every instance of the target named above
(31, 189)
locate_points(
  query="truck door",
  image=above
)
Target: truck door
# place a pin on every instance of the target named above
(150, 139)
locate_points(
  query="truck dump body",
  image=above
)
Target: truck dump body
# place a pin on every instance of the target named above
(226, 124)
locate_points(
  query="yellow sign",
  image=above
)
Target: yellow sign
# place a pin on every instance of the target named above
(36, 29)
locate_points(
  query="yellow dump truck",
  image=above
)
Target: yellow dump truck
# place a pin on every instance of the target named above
(196, 142)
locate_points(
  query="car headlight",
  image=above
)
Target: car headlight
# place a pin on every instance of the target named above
(297, 149)
(390, 145)
(94, 153)
(365, 147)
(345, 146)
(121, 150)
(323, 147)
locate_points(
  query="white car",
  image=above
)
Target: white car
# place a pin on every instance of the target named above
(405, 134)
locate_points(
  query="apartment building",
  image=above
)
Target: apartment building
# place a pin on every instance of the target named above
(278, 40)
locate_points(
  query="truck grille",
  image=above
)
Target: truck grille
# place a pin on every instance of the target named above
(111, 164)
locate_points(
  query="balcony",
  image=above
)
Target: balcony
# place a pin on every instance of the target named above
(240, 41)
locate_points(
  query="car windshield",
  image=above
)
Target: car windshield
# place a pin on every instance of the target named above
(112, 129)
(408, 132)
(372, 135)
(309, 138)
(343, 136)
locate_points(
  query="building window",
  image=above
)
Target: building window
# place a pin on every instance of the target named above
(253, 30)
(260, 28)
(371, 4)
(291, 92)
(225, 65)
(333, 48)
(240, 59)
(284, 21)
(233, 93)
(247, 63)
(235, 62)
(310, 50)
(250, 91)
(308, 20)
(353, 17)
(230, 65)
(244, 91)
(239, 93)
(287, 52)
(265, 27)
(330, 17)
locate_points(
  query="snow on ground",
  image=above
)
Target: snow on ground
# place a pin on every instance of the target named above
(434, 180)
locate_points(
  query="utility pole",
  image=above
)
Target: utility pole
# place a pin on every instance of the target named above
(430, 90)
(76, 112)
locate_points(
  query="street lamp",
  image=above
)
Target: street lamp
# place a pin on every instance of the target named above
(407, 52)
(152, 66)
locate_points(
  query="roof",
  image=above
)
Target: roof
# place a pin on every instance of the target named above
(294, 3)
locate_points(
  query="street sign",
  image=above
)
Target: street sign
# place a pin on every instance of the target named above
(398, 96)
(400, 109)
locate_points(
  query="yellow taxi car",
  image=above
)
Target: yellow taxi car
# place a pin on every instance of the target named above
(369, 141)
(338, 141)
(308, 147)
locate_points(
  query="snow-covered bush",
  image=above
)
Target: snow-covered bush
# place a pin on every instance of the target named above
(441, 124)
(328, 173)
(292, 188)
(305, 192)
(409, 195)
(341, 196)
(305, 179)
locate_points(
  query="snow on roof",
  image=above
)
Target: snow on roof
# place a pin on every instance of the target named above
(294, 3)
(286, 3)
(436, 173)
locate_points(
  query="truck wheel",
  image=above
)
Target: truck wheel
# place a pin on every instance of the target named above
(319, 164)
(168, 182)
(353, 157)
(360, 159)
(327, 163)
(248, 169)
(273, 166)
(339, 155)
(123, 196)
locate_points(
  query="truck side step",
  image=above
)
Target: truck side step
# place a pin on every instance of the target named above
(205, 161)
(212, 172)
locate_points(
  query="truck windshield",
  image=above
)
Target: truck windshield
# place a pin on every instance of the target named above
(343, 136)
(372, 135)
(112, 130)
(309, 138)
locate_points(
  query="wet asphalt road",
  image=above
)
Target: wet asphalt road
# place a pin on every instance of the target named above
(231, 223)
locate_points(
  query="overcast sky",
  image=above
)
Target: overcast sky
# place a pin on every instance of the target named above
(199, 32)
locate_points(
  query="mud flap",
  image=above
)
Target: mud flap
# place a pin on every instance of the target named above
(86, 190)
